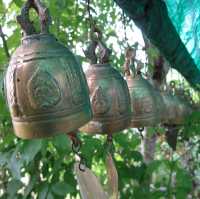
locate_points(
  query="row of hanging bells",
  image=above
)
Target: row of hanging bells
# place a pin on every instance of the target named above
(47, 92)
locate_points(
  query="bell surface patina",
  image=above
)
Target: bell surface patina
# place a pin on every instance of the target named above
(109, 94)
(45, 86)
(177, 106)
(171, 102)
(145, 109)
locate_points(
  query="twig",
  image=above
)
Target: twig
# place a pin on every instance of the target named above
(5, 46)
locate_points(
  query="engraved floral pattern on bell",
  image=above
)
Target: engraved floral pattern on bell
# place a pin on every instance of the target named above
(143, 98)
(43, 90)
(99, 101)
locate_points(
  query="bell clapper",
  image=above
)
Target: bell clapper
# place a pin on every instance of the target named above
(76, 146)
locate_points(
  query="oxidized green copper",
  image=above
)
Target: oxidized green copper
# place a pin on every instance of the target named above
(145, 110)
(177, 106)
(171, 103)
(45, 86)
(109, 94)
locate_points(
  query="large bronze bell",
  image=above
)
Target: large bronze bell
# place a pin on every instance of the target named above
(109, 94)
(145, 110)
(45, 86)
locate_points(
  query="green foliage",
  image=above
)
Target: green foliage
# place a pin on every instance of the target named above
(43, 169)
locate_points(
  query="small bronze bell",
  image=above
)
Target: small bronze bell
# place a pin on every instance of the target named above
(177, 107)
(171, 103)
(145, 111)
(45, 86)
(184, 106)
(109, 94)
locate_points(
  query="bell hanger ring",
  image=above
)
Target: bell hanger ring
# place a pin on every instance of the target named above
(24, 20)
(76, 147)
(96, 37)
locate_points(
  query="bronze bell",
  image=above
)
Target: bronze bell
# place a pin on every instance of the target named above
(109, 94)
(160, 105)
(45, 86)
(145, 111)
(177, 107)
(184, 106)
(171, 103)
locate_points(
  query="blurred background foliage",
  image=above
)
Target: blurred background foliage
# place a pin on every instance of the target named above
(43, 169)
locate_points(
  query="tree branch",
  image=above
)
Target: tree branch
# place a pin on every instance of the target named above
(5, 46)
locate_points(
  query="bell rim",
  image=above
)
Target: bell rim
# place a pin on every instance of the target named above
(123, 126)
(56, 126)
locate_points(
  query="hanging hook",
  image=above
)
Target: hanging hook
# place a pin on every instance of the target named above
(96, 41)
(129, 64)
(109, 144)
(76, 146)
(90, 52)
(141, 129)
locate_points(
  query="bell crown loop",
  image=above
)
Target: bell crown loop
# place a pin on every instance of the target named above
(96, 41)
(129, 66)
(24, 20)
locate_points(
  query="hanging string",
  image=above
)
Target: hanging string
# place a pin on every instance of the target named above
(109, 144)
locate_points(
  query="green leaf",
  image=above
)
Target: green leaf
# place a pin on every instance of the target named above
(153, 166)
(19, 3)
(13, 187)
(50, 196)
(29, 187)
(43, 191)
(62, 143)
(183, 180)
(15, 164)
(62, 188)
(4, 158)
(2, 7)
(30, 149)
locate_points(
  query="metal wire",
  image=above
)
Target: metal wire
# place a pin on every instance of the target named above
(141, 129)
